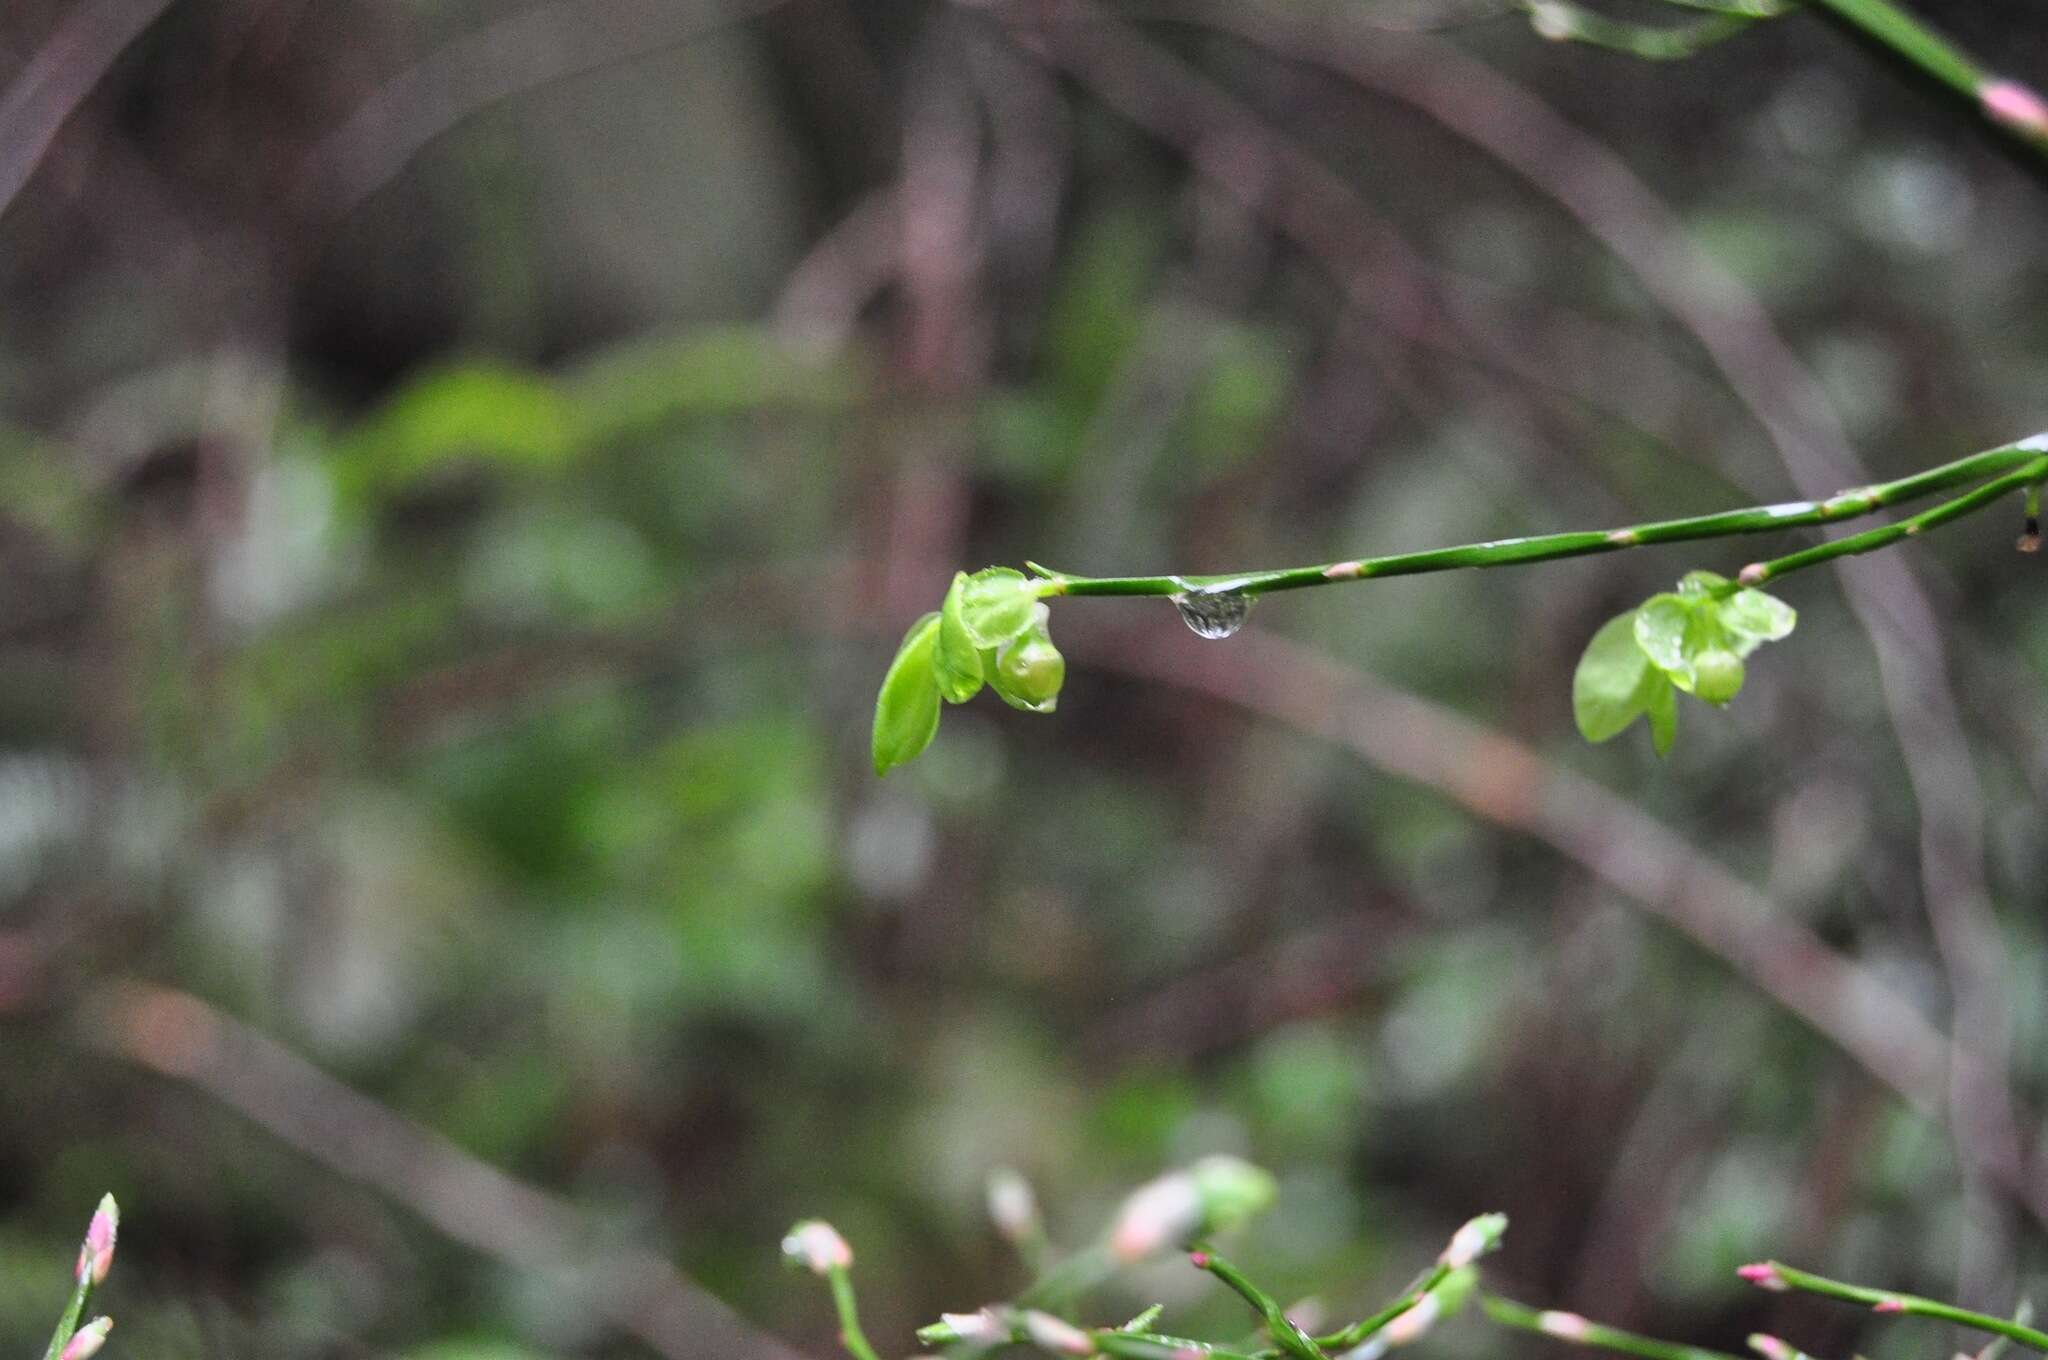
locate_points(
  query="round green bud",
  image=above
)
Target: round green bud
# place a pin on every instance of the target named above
(1717, 675)
(1031, 671)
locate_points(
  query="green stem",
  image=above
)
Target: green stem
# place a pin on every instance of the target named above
(1148, 1346)
(1358, 1331)
(1852, 504)
(2030, 475)
(67, 1326)
(850, 1334)
(1889, 1302)
(1914, 41)
(1920, 46)
(1573, 1328)
(1285, 1333)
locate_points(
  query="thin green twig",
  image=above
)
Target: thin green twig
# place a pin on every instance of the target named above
(2015, 464)
(1756, 573)
(850, 1334)
(1582, 1331)
(2006, 103)
(1774, 1274)
(1286, 1333)
(1346, 1338)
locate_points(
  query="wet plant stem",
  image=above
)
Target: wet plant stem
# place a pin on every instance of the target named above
(1885, 1301)
(2008, 468)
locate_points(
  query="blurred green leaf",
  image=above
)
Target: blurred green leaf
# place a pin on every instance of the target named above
(475, 411)
(907, 710)
(1611, 686)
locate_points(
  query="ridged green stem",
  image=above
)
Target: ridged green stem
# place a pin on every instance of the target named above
(1581, 1331)
(1887, 1301)
(1150, 1346)
(2014, 465)
(1289, 1337)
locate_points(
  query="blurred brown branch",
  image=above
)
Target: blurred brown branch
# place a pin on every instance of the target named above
(500, 61)
(181, 1037)
(58, 78)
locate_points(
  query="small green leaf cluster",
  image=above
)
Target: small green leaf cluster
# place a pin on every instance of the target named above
(1693, 639)
(992, 630)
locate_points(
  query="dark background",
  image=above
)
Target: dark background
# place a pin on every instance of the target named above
(463, 467)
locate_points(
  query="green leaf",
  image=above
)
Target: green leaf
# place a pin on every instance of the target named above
(1607, 688)
(997, 605)
(907, 710)
(1755, 618)
(1661, 703)
(1669, 630)
(1701, 583)
(956, 660)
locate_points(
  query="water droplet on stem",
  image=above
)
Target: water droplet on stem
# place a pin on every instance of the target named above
(1214, 611)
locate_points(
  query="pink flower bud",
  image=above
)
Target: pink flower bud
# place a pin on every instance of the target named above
(87, 1340)
(2016, 106)
(1011, 1206)
(1563, 1326)
(1159, 1214)
(1770, 1347)
(1473, 1241)
(1056, 1334)
(1763, 1275)
(96, 1256)
(1415, 1322)
(817, 1246)
(1888, 1306)
(982, 1326)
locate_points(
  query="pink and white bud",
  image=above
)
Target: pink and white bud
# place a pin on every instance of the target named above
(1057, 1334)
(1415, 1323)
(1892, 1305)
(1563, 1326)
(87, 1340)
(1159, 1214)
(1552, 21)
(1763, 1275)
(981, 1327)
(1012, 1207)
(1771, 1348)
(817, 1246)
(2016, 106)
(1473, 1241)
(96, 1255)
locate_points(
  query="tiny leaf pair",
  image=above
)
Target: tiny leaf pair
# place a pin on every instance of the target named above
(1693, 639)
(991, 630)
